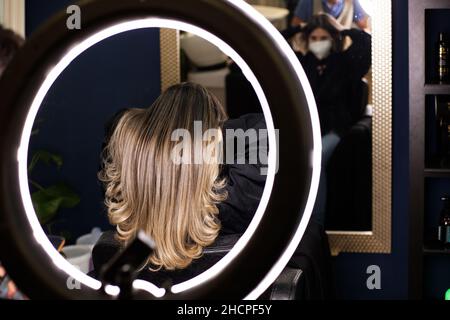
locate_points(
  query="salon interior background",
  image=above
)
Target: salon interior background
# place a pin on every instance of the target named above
(129, 67)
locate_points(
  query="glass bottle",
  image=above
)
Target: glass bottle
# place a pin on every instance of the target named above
(443, 58)
(444, 222)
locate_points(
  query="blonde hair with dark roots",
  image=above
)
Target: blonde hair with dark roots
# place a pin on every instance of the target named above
(175, 204)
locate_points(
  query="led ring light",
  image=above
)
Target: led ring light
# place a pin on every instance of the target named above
(279, 81)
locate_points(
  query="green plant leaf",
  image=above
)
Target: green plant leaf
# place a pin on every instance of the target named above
(45, 208)
(69, 198)
(49, 200)
(47, 158)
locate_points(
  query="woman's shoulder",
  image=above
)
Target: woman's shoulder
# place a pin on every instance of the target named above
(105, 249)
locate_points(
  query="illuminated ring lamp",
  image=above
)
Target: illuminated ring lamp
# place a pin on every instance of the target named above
(279, 81)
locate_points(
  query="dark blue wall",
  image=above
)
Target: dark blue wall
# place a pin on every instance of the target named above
(38, 11)
(351, 268)
(122, 71)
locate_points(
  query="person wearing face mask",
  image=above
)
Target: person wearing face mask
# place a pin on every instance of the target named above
(334, 73)
(332, 70)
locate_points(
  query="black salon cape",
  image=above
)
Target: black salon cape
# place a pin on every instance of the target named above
(245, 185)
(245, 182)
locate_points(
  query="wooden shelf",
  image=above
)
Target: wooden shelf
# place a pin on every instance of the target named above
(437, 89)
(437, 173)
(435, 248)
(435, 169)
(421, 86)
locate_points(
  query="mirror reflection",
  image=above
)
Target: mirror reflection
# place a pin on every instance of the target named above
(125, 136)
(111, 155)
(333, 43)
(332, 39)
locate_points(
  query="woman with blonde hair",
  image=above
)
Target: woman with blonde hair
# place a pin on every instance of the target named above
(182, 205)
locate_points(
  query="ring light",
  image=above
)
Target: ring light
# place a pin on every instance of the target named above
(288, 105)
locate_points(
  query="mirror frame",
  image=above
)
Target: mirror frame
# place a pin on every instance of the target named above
(377, 240)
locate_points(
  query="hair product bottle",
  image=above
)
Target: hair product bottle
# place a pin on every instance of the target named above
(443, 58)
(444, 222)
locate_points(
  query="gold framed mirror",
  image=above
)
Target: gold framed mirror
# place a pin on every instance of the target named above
(377, 239)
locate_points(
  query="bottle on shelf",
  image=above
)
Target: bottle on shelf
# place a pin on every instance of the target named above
(444, 223)
(443, 131)
(443, 58)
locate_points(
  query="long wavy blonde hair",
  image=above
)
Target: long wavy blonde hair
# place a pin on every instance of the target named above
(175, 204)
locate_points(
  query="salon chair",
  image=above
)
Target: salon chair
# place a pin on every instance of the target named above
(349, 176)
(307, 276)
(349, 172)
(288, 286)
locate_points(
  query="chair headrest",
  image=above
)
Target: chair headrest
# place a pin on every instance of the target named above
(107, 246)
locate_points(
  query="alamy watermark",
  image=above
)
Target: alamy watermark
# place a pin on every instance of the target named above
(73, 22)
(374, 280)
(233, 146)
(72, 283)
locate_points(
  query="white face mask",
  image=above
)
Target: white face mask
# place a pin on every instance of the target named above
(321, 49)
